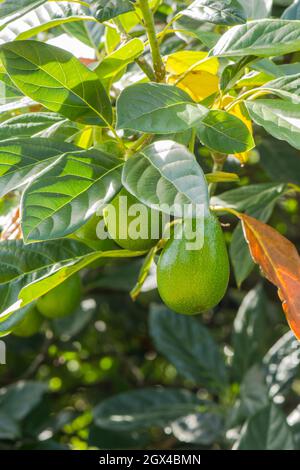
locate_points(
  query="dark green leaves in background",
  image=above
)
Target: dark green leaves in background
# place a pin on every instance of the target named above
(188, 345)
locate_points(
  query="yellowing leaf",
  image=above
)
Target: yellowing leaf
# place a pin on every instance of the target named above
(180, 62)
(280, 263)
(85, 139)
(199, 85)
(193, 72)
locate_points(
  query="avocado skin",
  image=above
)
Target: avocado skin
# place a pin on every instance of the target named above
(129, 243)
(191, 282)
(62, 300)
(30, 325)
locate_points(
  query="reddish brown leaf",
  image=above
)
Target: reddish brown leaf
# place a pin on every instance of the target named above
(280, 263)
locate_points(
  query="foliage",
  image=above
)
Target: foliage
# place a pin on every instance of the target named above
(178, 102)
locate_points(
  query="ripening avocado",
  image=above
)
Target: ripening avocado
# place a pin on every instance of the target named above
(192, 281)
(133, 230)
(62, 300)
(30, 325)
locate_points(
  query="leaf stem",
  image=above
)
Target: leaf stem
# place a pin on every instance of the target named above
(158, 65)
(219, 160)
(140, 61)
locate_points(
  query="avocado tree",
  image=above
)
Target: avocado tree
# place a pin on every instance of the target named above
(162, 105)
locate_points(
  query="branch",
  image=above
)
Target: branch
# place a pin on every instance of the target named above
(158, 64)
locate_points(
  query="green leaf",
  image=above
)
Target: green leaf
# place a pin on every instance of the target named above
(256, 9)
(59, 273)
(267, 430)
(202, 428)
(22, 159)
(279, 118)
(249, 332)
(30, 271)
(56, 79)
(257, 200)
(222, 12)
(166, 173)
(45, 17)
(262, 38)
(189, 347)
(253, 394)
(116, 62)
(145, 408)
(27, 125)
(233, 72)
(282, 365)
(253, 198)
(9, 428)
(19, 399)
(62, 199)
(157, 108)
(108, 9)
(292, 12)
(225, 133)
(279, 160)
(22, 264)
(9, 11)
(286, 87)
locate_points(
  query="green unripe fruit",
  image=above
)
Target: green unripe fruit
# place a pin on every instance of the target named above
(62, 300)
(121, 227)
(192, 281)
(30, 325)
(88, 235)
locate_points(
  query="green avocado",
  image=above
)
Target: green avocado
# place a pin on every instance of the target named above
(30, 325)
(124, 222)
(192, 281)
(62, 300)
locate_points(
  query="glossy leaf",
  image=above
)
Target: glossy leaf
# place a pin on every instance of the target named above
(280, 118)
(108, 9)
(292, 12)
(282, 365)
(64, 198)
(256, 9)
(70, 89)
(9, 12)
(287, 87)
(157, 108)
(23, 159)
(144, 408)
(189, 347)
(166, 173)
(267, 430)
(27, 125)
(47, 16)
(216, 11)
(279, 262)
(202, 428)
(249, 331)
(262, 38)
(225, 133)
